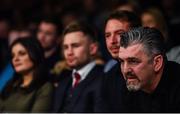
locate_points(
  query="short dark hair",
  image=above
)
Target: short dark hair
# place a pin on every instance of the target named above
(150, 38)
(53, 20)
(122, 15)
(81, 26)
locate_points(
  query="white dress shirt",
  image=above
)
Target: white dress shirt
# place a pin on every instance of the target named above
(83, 72)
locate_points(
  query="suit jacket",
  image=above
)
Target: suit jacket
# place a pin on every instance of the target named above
(87, 95)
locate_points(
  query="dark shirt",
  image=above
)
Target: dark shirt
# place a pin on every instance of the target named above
(165, 98)
(53, 59)
(86, 97)
(112, 86)
(50, 63)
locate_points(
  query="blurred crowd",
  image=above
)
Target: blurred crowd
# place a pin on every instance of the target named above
(21, 18)
(45, 21)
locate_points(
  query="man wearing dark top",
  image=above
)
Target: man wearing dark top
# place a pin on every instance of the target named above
(80, 90)
(48, 34)
(153, 82)
(116, 23)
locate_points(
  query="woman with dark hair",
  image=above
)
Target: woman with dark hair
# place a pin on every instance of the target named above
(29, 90)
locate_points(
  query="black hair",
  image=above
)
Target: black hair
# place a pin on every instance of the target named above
(121, 15)
(36, 54)
(53, 20)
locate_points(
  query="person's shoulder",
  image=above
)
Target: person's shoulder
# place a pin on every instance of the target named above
(173, 71)
(99, 67)
(47, 86)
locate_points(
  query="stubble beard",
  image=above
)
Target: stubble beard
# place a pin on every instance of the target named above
(133, 86)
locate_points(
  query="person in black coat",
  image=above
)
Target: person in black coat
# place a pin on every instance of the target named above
(116, 23)
(153, 83)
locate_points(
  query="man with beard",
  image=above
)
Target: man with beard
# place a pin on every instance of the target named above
(152, 81)
(116, 23)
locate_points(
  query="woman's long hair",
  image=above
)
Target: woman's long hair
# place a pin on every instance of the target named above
(36, 54)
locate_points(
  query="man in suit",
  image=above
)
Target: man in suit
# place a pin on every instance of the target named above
(80, 91)
(116, 23)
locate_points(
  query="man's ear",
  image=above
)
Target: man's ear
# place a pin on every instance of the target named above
(158, 62)
(93, 48)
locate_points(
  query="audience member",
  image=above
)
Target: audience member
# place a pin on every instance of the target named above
(153, 82)
(79, 47)
(28, 90)
(116, 23)
(48, 34)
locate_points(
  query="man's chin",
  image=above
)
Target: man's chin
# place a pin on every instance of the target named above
(134, 88)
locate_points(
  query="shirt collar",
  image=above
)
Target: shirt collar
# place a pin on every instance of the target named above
(85, 70)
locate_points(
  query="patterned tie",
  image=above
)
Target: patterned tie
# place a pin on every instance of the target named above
(77, 79)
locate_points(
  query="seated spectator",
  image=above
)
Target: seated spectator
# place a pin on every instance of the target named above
(79, 91)
(28, 90)
(153, 83)
(48, 34)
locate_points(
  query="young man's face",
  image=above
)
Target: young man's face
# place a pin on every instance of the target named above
(136, 67)
(113, 30)
(78, 49)
(47, 35)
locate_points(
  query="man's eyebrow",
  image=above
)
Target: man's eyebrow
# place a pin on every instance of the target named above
(132, 58)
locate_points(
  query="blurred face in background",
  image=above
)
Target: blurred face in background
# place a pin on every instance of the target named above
(113, 30)
(78, 49)
(21, 59)
(47, 35)
(148, 20)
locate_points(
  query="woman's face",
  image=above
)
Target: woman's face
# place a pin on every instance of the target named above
(21, 60)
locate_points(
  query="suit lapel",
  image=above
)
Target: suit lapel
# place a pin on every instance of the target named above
(83, 85)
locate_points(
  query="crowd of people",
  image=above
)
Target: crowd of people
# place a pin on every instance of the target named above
(82, 56)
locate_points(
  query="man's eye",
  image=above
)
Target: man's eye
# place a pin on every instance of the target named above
(107, 35)
(76, 45)
(134, 62)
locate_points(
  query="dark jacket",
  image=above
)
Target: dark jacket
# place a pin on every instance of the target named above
(165, 98)
(86, 97)
(113, 82)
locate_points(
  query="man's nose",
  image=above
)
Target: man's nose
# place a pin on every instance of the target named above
(126, 68)
(70, 51)
(114, 39)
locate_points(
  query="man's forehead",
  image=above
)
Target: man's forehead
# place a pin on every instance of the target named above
(74, 37)
(135, 50)
(115, 23)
